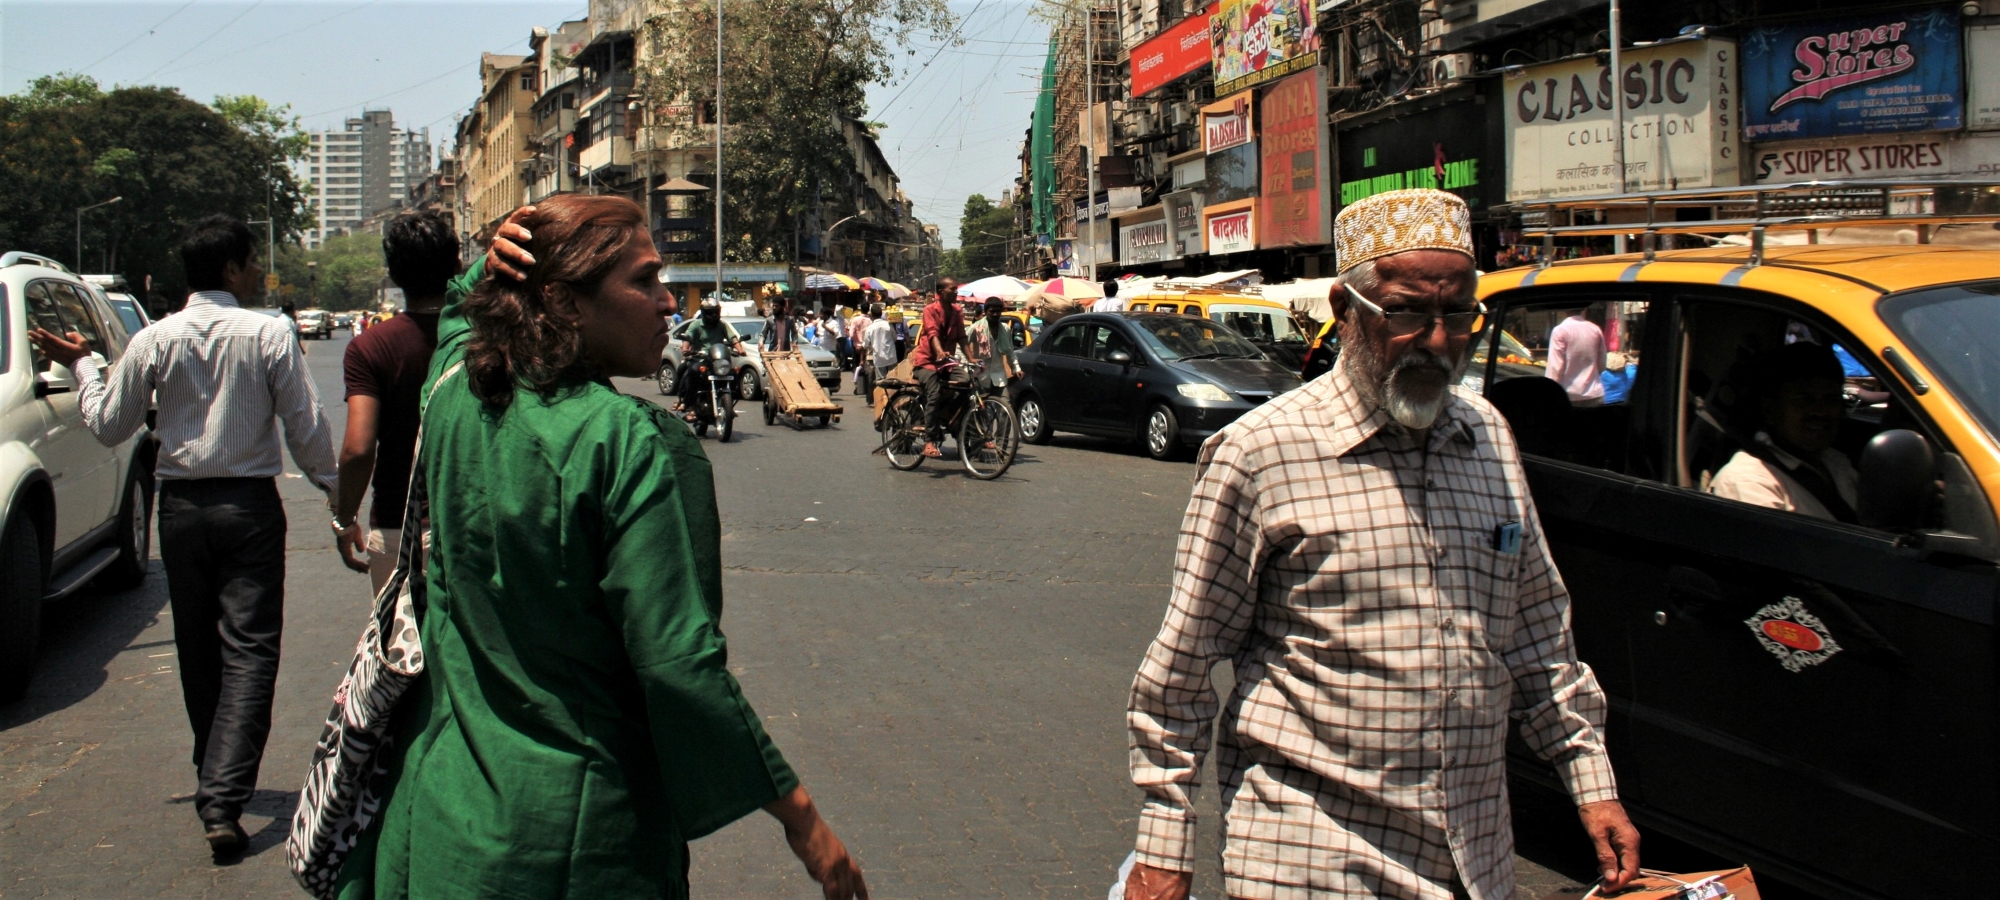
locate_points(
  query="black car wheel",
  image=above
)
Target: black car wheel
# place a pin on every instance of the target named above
(22, 582)
(135, 533)
(1035, 427)
(748, 385)
(1163, 434)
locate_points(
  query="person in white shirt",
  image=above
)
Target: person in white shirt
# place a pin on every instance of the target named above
(1791, 464)
(1576, 360)
(224, 378)
(880, 340)
(857, 326)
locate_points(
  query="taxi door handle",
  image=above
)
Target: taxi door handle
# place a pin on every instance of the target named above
(1690, 592)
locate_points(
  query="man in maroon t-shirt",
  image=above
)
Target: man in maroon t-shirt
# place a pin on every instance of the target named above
(942, 333)
(385, 368)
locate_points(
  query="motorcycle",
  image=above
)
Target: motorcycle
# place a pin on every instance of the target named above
(713, 401)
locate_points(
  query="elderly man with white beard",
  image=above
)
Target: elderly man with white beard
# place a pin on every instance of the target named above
(1365, 553)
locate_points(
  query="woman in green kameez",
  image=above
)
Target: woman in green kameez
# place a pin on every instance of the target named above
(577, 724)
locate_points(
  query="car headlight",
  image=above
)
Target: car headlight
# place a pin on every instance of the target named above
(1203, 391)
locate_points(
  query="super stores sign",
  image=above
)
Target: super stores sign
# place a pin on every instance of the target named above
(1681, 117)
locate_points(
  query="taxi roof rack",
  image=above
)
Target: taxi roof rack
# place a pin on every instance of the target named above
(1756, 209)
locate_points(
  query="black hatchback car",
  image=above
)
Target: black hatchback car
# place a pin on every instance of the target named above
(1168, 381)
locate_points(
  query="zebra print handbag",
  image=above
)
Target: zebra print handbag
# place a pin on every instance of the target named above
(344, 786)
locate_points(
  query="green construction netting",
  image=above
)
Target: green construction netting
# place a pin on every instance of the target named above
(1042, 148)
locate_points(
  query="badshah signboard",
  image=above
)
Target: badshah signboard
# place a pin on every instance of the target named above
(1681, 119)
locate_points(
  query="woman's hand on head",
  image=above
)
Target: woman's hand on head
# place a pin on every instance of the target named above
(508, 254)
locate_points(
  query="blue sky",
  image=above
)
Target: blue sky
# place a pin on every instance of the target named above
(953, 127)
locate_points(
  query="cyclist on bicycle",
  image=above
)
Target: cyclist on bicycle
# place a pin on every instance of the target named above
(942, 334)
(708, 329)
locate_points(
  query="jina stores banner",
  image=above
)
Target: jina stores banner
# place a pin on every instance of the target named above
(1255, 41)
(1681, 116)
(1295, 207)
(1867, 74)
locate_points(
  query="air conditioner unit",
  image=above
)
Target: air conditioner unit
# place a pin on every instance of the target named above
(1450, 67)
(1180, 115)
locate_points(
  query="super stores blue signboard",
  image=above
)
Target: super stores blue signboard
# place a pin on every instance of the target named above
(1867, 74)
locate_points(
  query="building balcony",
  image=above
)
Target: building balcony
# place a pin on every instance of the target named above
(614, 151)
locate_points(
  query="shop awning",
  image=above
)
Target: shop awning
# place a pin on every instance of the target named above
(1307, 296)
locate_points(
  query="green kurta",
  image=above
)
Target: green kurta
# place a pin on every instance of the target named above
(578, 722)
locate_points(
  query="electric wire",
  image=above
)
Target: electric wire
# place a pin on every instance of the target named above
(121, 47)
(200, 43)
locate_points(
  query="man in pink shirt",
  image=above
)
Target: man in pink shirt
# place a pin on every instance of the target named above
(1576, 360)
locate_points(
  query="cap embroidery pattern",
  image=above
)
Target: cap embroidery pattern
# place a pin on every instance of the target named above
(1397, 221)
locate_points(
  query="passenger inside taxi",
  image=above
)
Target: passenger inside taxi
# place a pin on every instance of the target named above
(1791, 463)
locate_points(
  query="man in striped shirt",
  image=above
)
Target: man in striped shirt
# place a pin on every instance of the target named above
(224, 378)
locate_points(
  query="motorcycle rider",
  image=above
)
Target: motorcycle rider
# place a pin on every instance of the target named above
(708, 329)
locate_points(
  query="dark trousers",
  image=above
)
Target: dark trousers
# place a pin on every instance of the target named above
(223, 543)
(935, 385)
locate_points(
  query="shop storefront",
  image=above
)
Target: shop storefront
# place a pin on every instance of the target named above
(1452, 140)
(1680, 129)
(1144, 238)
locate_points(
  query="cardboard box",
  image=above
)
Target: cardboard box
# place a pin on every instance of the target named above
(1724, 884)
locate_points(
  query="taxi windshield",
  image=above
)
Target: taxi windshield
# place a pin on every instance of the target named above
(1955, 330)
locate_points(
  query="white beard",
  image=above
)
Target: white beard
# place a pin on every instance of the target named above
(1388, 394)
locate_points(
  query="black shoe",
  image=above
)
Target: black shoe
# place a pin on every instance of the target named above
(226, 838)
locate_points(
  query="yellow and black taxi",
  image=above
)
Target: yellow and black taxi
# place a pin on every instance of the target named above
(1775, 515)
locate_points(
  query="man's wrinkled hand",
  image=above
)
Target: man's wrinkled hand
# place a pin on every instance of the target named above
(508, 254)
(1147, 883)
(62, 352)
(1616, 841)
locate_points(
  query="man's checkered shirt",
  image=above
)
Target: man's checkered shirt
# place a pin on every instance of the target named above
(1381, 635)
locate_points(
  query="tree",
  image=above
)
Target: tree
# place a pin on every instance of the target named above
(349, 271)
(65, 144)
(798, 69)
(983, 236)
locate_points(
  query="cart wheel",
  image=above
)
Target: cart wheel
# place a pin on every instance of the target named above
(770, 412)
(903, 431)
(823, 419)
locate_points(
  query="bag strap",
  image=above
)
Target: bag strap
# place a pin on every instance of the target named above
(409, 562)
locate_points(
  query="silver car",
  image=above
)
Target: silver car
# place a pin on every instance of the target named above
(750, 376)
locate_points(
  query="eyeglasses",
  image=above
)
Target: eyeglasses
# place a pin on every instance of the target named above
(1403, 323)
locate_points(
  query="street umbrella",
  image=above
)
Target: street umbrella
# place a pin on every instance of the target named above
(831, 281)
(1051, 300)
(897, 291)
(1005, 287)
(874, 284)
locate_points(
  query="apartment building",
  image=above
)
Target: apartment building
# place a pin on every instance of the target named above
(366, 166)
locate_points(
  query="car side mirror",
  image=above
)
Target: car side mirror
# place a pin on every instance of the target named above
(51, 381)
(1119, 358)
(1898, 480)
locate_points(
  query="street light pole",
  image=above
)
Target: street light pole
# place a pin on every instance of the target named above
(1617, 116)
(79, 227)
(1090, 128)
(718, 150)
(826, 239)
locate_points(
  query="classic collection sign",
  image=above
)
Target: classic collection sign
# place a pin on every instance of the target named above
(1867, 74)
(1181, 49)
(1681, 117)
(1232, 232)
(1256, 41)
(1295, 207)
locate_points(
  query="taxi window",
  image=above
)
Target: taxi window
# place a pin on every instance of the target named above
(1562, 374)
(1775, 411)
(1955, 332)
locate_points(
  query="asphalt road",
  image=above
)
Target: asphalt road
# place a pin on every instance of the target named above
(945, 661)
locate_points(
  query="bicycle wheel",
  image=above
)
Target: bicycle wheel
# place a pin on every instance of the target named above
(988, 435)
(903, 431)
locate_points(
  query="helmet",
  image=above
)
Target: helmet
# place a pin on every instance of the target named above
(711, 305)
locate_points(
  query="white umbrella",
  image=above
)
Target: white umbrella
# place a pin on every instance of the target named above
(1307, 296)
(1006, 287)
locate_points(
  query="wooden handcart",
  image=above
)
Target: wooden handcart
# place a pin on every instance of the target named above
(794, 393)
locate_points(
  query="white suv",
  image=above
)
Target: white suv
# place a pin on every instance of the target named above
(71, 509)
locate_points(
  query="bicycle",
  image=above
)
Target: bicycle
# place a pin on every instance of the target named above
(988, 433)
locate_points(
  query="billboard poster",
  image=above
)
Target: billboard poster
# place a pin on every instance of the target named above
(1681, 119)
(1180, 49)
(1863, 74)
(1456, 147)
(1232, 232)
(1256, 41)
(1295, 207)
